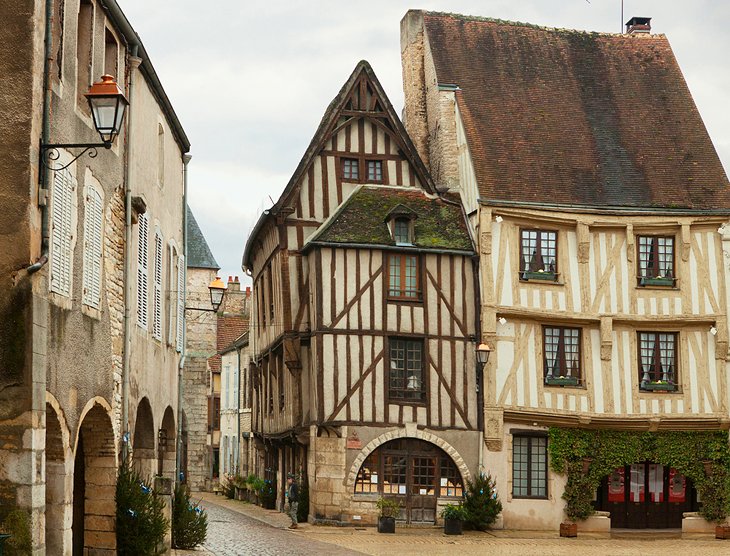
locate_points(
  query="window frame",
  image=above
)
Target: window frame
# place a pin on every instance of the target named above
(344, 162)
(393, 395)
(550, 379)
(525, 273)
(401, 293)
(656, 279)
(375, 162)
(531, 437)
(659, 384)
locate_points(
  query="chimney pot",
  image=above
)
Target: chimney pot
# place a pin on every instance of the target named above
(638, 25)
(236, 279)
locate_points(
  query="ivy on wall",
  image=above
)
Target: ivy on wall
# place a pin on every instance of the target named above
(587, 456)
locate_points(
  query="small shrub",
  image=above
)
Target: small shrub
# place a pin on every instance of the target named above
(303, 509)
(141, 521)
(228, 487)
(481, 503)
(189, 520)
(17, 524)
(453, 511)
(388, 507)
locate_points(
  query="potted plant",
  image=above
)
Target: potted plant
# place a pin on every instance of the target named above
(561, 380)
(389, 509)
(453, 515)
(539, 275)
(568, 529)
(662, 385)
(665, 281)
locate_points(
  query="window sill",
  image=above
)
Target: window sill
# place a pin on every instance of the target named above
(520, 497)
(668, 283)
(398, 401)
(392, 298)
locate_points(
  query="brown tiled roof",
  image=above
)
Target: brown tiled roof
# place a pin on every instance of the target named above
(230, 327)
(568, 117)
(362, 220)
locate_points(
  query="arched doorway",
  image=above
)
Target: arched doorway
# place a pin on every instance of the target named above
(59, 484)
(414, 472)
(646, 495)
(166, 445)
(143, 444)
(94, 482)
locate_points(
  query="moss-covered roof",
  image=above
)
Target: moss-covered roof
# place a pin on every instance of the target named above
(362, 220)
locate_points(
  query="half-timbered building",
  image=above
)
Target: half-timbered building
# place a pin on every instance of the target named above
(601, 210)
(364, 322)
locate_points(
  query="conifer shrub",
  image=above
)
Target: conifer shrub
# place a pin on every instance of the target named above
(189, 520)
(481, 503)
(141, 521)
(17, 525)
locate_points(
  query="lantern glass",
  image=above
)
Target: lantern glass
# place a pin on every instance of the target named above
(482, 353)
(217, 288)
(108, 114)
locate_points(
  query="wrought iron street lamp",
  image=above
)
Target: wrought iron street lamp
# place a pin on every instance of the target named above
(108, 106)
(217, 289)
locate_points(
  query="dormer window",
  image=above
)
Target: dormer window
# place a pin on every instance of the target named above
(401, 222)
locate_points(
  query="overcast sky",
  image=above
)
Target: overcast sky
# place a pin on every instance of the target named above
(250, 80)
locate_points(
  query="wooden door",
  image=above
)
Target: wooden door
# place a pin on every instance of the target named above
(421, 504)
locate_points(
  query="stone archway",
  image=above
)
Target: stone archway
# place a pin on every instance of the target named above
(403, 433)
(166, 439)
(94, 484)
(59, 481)
(143, 443)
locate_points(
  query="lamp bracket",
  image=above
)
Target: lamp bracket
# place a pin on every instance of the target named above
(50, 153)
(200, 309)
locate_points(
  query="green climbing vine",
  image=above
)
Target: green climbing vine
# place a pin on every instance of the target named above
(587, 456)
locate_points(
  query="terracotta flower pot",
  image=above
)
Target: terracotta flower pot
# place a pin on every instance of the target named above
(568, 529)
(722, 532)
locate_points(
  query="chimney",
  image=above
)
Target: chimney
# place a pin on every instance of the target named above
(248, 292)
(234, 285)
(638, 25)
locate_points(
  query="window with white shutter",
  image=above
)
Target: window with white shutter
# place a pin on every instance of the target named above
(157, 294)
(142, 234)
(62, 231)
(93, 241)
(234, 403)
(171, 294)
(180, 300)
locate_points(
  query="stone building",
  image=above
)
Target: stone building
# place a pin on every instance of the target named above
(89, 330)
(601, 210)
(200, 345)
(232, 320)
(236, 444)
(364, 323)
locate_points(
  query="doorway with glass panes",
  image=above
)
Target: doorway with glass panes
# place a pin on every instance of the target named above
(646, 495)
(414, 472)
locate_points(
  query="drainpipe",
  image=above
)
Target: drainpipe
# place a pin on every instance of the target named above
(178, 453)
(45, 138)
(134, 63)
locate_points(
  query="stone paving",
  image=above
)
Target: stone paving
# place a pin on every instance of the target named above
(237, 528)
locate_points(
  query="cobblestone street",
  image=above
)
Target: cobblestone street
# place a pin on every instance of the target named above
(236, 528)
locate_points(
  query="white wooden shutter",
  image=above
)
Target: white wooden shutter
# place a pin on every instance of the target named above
(93, 234)
(235, 387)
(180, 300)
(157, 294)
(171, 300)
(143, 228)
(64, 188)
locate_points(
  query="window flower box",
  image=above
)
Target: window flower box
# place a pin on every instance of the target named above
(657, 281)
(659, 386)
(561, 380)
(540, 275)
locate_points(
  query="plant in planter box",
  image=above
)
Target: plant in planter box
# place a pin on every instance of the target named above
(561, 380)
(453, 515)
(389, 509)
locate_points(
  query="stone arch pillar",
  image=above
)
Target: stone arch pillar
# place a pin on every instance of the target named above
(59, 480)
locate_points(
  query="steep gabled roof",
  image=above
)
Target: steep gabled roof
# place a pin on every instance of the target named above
(362, 221)
(329, 123)
(229, 328)
(569, 117)
(199, 254)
